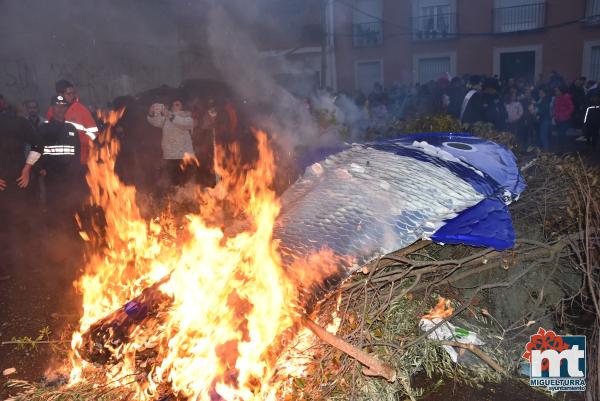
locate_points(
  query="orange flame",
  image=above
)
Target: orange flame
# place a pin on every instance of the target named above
(442, 310)
(231, 297)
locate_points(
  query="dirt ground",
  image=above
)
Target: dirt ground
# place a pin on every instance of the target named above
(36, 295)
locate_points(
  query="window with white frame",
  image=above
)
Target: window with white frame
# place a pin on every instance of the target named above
(591, 60)
(594, 67)
(433, 19)
(592, 8)
(367, 23)
(592, 12)
(367, 74)
(433, 68)
(519, 15)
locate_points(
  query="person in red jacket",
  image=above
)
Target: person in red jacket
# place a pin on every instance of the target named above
(562, 112)
(79, 116)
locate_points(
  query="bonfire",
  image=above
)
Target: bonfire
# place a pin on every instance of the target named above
(231, 303)
(204, 308)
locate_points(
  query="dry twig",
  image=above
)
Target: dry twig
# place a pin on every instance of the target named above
(373, 366)
(480, 354)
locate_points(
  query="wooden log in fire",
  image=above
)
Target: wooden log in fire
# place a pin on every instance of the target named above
(107, 334)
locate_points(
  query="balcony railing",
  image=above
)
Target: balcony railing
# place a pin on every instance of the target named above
(368, 34)
(520, 18)
(592, 12)
(440, 26)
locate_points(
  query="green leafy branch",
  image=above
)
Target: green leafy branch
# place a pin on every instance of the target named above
(29, 343)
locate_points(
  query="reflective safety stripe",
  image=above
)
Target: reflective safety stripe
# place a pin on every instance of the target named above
(91, 132)
(59, 150)
(90, 135)
(465, 103)
(78, 126)
(59, 146)
(587, 112)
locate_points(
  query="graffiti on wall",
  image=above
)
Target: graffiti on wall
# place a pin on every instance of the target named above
(17, 76)
(102, 82)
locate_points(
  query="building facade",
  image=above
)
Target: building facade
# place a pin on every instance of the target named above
(420, 40)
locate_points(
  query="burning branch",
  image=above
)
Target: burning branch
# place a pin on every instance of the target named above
(373, 366)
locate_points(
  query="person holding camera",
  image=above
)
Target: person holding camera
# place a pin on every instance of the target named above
(177, 127)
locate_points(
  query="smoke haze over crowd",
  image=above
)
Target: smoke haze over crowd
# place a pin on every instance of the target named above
(119, 48)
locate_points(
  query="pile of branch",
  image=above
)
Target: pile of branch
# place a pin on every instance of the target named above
(557, 221)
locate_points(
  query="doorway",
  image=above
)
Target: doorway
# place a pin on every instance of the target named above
(367, 73)
(518, 65)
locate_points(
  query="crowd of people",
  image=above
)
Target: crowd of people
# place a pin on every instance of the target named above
(43, 158)
(532, 112)
(42, 171)
(53, 148)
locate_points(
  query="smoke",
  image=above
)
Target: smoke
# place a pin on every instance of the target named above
(114, 48)
(346, 113)
(237, 58)
(236, 35)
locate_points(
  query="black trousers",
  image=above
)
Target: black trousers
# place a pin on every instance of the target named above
(592, 133)
(65, 195)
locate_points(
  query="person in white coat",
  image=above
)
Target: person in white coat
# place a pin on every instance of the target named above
(177, 126)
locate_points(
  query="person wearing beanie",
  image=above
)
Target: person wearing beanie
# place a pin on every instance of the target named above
(79, 116)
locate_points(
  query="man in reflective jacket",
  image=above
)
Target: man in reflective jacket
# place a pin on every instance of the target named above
(60, 164)
(79, 116)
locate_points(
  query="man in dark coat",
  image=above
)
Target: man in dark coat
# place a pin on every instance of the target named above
(456, 95)
(579, 101)
(16, 217)
(471, 109)
(592, 119)
(493, 107)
